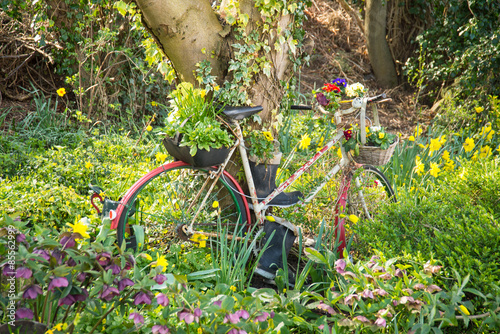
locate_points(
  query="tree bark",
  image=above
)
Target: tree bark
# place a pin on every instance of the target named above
(378, 49)
(183, 29)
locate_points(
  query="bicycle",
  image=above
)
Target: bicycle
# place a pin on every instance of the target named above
(195, 199)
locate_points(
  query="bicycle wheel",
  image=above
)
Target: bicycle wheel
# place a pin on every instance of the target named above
(370, 192)
(176, 194)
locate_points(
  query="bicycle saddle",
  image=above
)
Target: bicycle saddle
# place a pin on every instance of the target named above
(239, 113)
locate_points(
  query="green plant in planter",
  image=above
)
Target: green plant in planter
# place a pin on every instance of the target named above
(194, 117)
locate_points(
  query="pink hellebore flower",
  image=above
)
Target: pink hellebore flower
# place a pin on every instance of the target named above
(160, 329)
(340, 266)
(32, 292)
(368, 294)
(142, 298)
(58, 282)
(122, 284)
(325, 307)
(68, 300)
(160, 278)
(24, 313)
(380, 322)
(162, 299)
(23, 272)
(138, 319)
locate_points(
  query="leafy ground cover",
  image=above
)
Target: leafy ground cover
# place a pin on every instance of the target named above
(430, 263)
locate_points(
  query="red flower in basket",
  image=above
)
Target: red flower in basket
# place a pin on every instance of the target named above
(328, 87)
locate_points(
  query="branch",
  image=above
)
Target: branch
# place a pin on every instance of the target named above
(353, 13)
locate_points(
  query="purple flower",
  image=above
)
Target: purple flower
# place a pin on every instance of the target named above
(32, 292)
(159, 329)
(327, 308)
(186, 315)
(42, 253)
(262, 317)
(115, 269)
(160, 278)
(68, 300)
(20, 237)
(349, 300)
(23, 272)
(380, 292)
(232, 318)
(70, 262)
(138, 319)
(368, 294)
(237, 331)
(162, 299)
(58, 255)
(243, 314)
(130, 262)
(59, 282)
(340, 266)
(108, 292)
(142, 298)
(24, 313)
(104, 259)
(124, 283)
(322, 100)
(218, 303)
(81, 277)
(340, 82)
(380, 322)
(8, 270)
(67, 242)
(362, 319)
(197, 314)
(82, 296)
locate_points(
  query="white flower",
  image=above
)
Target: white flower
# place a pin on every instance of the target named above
(374, 128)
(354, 90)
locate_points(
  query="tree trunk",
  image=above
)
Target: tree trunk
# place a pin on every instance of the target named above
(188, 31)
(378, 49)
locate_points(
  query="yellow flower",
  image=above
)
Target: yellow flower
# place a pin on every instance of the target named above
(305, 141)
(434, 171)
(154, 104)
(381, 135)
(49, 331)
(149, 128)
(58, 327)
(339, 153)
(435, 145)
(160, 157)
(464, 310)
(485, 152)
(479, 109)
(148, 257)
(88, 165)
(270, 218)
(203, 93)
(232, 288)
(160, 261)
(268, 135)
(353, 218)
(215, 204)
(418, 131)
(216, 88)
(468, 145)
(419, 166)
(411, 138)
(446, 156)
(449, 165)
(61, 92)
(200, 331)
(201, 239)
(79, 227)
(367, 131)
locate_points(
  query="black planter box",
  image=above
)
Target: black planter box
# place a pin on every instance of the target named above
(202, 158)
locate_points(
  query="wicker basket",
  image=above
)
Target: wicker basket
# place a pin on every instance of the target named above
(371, 155)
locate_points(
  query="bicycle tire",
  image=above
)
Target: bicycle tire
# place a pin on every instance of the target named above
(166, 198)
(376, 191)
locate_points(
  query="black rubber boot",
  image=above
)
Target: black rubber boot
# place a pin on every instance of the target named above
(272, 258)
(264, 177)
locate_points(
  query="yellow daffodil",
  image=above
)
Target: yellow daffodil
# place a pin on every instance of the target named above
(160, 261)
(446, 156)
(449, 165)
(79, 227)
(435, 145)
(268, 135)
(442, 140)
(434, 170)
(485, 151)
(468, 145)
(305, 141)
(61, 92)
(353, 218)
(216, 88)
(419, 166)
(418, 131)
(411, 138)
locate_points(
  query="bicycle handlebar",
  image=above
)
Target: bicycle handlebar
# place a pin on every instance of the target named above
(301, 107)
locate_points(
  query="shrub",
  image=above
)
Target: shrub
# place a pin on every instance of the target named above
(455, 219)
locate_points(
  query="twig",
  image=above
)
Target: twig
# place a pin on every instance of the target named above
(479, 316)
(353, 13)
